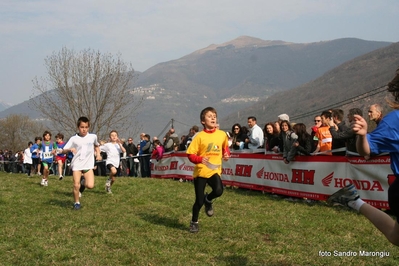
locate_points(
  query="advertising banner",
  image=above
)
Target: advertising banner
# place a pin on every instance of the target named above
(311, 177)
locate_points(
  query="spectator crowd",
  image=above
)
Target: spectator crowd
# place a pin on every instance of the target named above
(330, 135)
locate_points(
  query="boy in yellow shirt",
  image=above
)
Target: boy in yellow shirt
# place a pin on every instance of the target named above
(206, 151)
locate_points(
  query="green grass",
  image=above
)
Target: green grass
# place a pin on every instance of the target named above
(145, 222)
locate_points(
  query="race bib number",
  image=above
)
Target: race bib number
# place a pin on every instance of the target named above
(47, 155)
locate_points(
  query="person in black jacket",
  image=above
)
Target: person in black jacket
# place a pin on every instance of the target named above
(338, 125)
(271, 137)
(304, 142)
(238, 137)
(348, 135)
(131, 150)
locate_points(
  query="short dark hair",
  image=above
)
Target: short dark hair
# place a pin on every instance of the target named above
(338, 113)
(326, 114)
(46, 132)
(59, 136)
(83, 119)
(355, 111)
(252, 117)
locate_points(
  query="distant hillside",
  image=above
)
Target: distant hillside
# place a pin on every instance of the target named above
(4, 105)
(354, 78)
(231, 76)
(239, 73)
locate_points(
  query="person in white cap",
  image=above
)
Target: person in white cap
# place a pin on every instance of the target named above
(283, 117)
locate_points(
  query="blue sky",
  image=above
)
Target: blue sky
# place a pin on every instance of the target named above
(147, 32)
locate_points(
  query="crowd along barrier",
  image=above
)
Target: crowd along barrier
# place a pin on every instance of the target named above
(311, 177)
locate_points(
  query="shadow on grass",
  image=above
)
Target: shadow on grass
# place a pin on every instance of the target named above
(61, 203)
(232, 260)
(163, 220)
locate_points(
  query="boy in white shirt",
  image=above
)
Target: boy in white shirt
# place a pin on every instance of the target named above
(82, 145)
(28, 159)
(113, 149)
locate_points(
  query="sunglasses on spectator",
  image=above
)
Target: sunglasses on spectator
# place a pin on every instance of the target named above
(236, 128)
(317, 120)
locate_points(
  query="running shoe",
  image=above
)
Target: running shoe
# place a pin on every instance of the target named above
(343, 196)
(194, 227)
(208, 206)
(108, 186)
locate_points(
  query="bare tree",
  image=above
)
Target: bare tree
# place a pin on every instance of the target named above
(87, 83)
(17, 131)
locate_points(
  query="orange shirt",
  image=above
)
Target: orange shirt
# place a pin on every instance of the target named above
(325, 139)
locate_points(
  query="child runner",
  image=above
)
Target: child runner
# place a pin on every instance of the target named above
(28, 158)
(82, 145)
(61, 157)
(47, 149)
(36, 155)
(385, 138)
(113, 149)
(206, 152)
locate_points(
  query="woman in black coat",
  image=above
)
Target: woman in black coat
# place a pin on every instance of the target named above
(238, 137)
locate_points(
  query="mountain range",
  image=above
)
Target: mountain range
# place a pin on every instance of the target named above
(250, 76)
(4, 105)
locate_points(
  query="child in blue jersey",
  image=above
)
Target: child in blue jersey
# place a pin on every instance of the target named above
(206, 151)
(385, 138)
(47, 150)
(36, 155)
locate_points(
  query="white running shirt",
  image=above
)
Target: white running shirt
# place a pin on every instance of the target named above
(113, 153)
(84, 157)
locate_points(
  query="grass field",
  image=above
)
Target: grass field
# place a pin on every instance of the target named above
(145, 222)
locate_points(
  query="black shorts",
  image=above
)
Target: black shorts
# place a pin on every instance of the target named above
(109, 166)
(35, 161)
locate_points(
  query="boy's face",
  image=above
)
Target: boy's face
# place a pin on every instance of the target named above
(83, 129)
(210, 120)
(59, 140)
(113, 136)
(46, 137)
